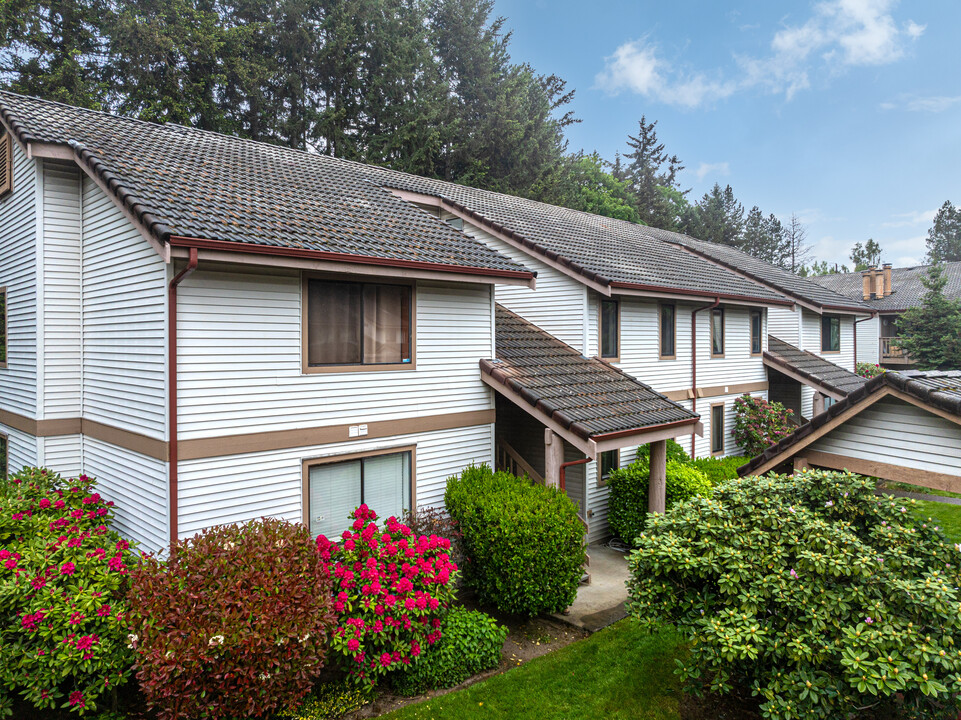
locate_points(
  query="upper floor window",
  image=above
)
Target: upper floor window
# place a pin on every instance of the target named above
(668, 328)
(757, 325)
(358, 324)
(3, 327)
(608, 461)
(717, 332)
(610, 330)
(830, 333)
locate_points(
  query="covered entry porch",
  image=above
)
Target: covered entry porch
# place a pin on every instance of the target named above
(557, 411)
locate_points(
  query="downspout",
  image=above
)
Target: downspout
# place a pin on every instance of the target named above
(172, 386)
(856, 323)
(717, 301)
(563, 472)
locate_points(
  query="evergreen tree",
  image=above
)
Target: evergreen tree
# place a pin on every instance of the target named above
(930, 333)
(821, 267)
(865, 256)
(592, 189)
(718, 217)
(649, 168)
(944, 237)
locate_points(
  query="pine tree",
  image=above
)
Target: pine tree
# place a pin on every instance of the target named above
(930, 333)
(865, 256)
(650, 168)
(944, 237)
(718, 217)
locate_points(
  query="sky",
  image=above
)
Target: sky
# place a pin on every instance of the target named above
(845, 112)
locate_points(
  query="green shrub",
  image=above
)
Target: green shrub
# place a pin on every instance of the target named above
(63, 580)
(758, 424)
(330, 701)
(471, 643)
(627, 503)
(809, 591)
(523, 542)
(674, 452)
(720, 469)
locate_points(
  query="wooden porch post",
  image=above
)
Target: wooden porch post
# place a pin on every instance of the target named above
(657, 492)
(553, 457)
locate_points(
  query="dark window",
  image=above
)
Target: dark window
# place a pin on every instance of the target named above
(667, 330)
(717, 429)
(336, 489)
(3, 456)
(830, 333)
(358, 323)
(6, 164)
(717, 331)
(456, 223)
(609, 329)
(3, 327)
(756, 325)
(610, 460)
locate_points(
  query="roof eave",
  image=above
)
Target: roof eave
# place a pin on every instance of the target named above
(660, 289)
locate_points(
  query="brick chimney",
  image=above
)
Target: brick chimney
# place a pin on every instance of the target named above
(888, 289)
(867, 283)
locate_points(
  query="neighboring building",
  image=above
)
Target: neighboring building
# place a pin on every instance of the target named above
(889, 291)
(898, 426)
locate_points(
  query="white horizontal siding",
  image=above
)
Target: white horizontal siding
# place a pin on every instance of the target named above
(22, 449)
(899, 433)
(124, 300)
(558, 303)
(239, 352)
(869, 333)
(62, 454)
(238, 488)
(812, 339)
(738, 365)
(61, 293)
(783, 324)
(640, 345)
(137, 485)
(18, 273)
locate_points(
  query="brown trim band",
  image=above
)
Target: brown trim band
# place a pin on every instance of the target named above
(717, 391)
(126, 439)
(885, 471)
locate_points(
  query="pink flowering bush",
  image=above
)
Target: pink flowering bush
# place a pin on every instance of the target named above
(235, 624)
(758, 424)
(63, 577)
(869, 370)
(391, 589)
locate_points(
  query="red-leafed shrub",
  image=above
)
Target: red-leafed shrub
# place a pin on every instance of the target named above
(63, 581)
(391, 588)
(235, 624)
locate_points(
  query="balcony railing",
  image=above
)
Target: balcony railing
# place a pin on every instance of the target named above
(891, 353)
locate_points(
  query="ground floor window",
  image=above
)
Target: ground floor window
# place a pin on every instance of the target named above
(334, 489)
(610, 460)
(3, 456)
(717, 429)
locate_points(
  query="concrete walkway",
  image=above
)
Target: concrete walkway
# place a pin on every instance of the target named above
(602, 602)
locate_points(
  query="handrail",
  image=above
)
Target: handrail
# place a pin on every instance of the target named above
(890, 349)
(521, 464)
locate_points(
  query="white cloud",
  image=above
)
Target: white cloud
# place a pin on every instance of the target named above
(705, 169)
(919, 103)
(915, 217)
(840, 34)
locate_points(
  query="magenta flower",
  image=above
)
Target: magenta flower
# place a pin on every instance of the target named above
(68, 568)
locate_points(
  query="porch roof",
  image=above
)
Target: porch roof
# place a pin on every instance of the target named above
(810, 369)
(593, 404)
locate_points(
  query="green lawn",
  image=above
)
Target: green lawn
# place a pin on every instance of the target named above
(620, 672)
(947, 516)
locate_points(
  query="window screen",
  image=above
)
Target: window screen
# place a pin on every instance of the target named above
(667, 330)
(609, 329)
(609, 460)
(717, 429)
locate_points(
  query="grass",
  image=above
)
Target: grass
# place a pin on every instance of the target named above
(947, 516)
(890, 485)
(620, 672)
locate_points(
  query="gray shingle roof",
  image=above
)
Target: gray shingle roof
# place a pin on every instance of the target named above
(939, 388)
(794, 286)
(906, 282)
(820, 372)
(185, 182)
(585, 395)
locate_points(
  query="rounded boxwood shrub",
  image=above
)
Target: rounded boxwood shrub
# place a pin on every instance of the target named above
(523, 542)
(472, 643)
(627, 503)
(810, 592)
(63, 580)
(235, 624)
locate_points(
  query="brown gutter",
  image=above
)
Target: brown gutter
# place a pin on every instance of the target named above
(636, 431)
(694, 313)
(563, 471)
(231, 246)
(698, 293)
(172, 385)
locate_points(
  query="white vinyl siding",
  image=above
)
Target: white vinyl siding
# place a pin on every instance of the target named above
(62, 454)
(737, 366)
(783, 324)
(556, 306)
(21, 448)
(61, 291)
(898, 433)
(812, 339)
(137, 485)
(18, 273)
(239, 488)
(124, 312)
(869, 332)
(240, 368)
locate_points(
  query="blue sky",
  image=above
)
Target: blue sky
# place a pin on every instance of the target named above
(846, 112)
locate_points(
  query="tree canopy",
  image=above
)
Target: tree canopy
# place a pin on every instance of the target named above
(944, 237)
(931, 332)
(866, 256)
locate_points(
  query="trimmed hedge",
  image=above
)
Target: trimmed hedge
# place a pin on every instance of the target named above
(524, 542)
(720, 469)
(472, 642)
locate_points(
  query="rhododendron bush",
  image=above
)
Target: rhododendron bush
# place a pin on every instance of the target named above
(758, 424)
(63, 580)
(391, 589)
(809, 592)
(235, 624)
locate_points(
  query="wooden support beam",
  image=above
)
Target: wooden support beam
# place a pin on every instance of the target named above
(657, 492)
(553, 458)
